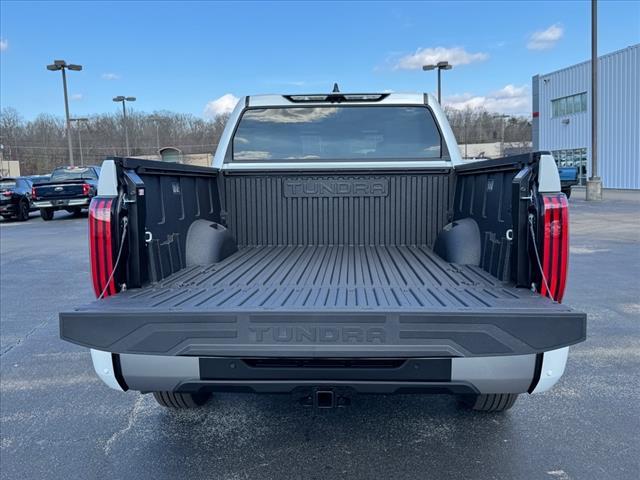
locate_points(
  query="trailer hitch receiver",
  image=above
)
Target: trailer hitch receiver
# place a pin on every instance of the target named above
(324, 399)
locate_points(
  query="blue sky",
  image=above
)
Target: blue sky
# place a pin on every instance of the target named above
(185, 56)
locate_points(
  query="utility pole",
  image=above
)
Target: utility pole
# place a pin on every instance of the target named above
(594, 183)
(62, 65)
(438, 66)
(466, 143)
(502, 118)
(1, 160)
(124, 118)
(156, 120)
(78, 121)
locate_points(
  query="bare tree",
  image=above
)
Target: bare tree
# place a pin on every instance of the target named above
(479, 126)
(40, 144)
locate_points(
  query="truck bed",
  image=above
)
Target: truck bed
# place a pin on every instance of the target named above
(327, 277)
(326, 301)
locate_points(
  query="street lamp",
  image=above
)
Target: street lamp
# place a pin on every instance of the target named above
(502, 117)
(124, 117)
(466, 143)
(438, 66)
(79, 120)
(2, 160)
(156, 120)
(594, 182)
(62, 65)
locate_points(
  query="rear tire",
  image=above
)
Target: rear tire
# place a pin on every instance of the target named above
(490, 402)
(46, 214)
(567, 192)
(23, 211)
(181, 400)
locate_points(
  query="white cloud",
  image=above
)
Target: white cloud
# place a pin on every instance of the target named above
(295, 83)
(293, 115)
(428, 56)
(510, 99)
(545, 39)
(4, 44)
(299, 83)
(110, 76)
(252, 155)
(77, 96)
(220, 106)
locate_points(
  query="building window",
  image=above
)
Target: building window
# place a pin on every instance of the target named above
(569, 105)
(573, 158)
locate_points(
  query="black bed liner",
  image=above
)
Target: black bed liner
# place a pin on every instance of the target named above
(374, 277)
(339, 301)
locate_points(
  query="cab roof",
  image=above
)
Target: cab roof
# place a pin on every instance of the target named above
(338, 98)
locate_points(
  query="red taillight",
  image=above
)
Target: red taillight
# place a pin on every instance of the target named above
(33, 193)
(86, 189)
(7, 193)
(555, 245)
(101, 248)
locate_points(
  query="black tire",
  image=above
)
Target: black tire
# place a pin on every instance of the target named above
(181, 400)
(46, 214)
(567, 192)
(23, 211)
(490, 402)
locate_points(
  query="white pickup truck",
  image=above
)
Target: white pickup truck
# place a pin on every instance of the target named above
(338, 245)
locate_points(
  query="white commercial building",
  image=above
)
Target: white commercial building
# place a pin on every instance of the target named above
(562, 117)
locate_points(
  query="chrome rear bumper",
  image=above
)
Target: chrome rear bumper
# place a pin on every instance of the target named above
(72, 202)
(501, 374)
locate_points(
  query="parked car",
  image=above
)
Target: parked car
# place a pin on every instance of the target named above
(15, 198)
(69, 188)
(568, 178)
(338, 245)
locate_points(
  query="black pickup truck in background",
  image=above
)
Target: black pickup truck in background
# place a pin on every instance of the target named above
(69, 188)
(338, 245)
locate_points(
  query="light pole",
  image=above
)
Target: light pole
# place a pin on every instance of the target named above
(1, 160)
(78, 121)
(62, 65)
(156, 120)
(594, 182)
(466, 118)
(502, 117)
(438, 66)
(124, 117)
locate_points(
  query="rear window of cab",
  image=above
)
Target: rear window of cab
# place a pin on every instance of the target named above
(329, 133)
(73, 173)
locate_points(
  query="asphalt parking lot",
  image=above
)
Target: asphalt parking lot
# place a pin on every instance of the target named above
(58, 421)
